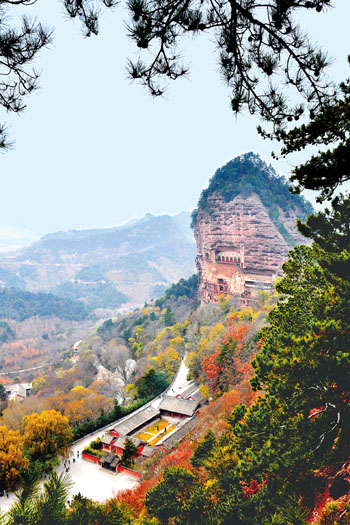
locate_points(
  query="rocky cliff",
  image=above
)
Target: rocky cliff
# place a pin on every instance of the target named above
(244, 226)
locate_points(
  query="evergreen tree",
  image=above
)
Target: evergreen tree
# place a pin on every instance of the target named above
(151, 384)
(302, 423)
(327, 169)
(261, 48)
(204, 449)
(258, 44)
(2, 392)
(41, 507)
(178, 499)
(129, 452)
(169, 317)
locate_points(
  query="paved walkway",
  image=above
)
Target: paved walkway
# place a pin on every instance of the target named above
(91, 480)
(181, 382)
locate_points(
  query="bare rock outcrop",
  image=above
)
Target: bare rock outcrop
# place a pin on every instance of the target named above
(242, 242)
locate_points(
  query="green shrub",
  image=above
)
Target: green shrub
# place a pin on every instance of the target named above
(94, 452)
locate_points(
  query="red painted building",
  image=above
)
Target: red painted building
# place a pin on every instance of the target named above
(107, 441)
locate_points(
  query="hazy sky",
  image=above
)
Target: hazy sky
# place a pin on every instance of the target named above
(94, 150)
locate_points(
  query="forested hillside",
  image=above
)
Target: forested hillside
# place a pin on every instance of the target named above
(20, 305)
(282, 456)
(11, 280)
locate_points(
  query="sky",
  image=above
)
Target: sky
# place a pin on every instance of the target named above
(95, 150)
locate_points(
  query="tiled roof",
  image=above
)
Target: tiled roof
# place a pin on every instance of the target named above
(191, 392)
(179, 434)
(147, 451)
(196, 396)
(187, 391)
(115, 461)
(136, 420)
(107, 439)
(121, 440)
(185, 407)
(108, 458)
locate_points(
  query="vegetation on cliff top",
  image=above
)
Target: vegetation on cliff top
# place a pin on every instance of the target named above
(249, 174)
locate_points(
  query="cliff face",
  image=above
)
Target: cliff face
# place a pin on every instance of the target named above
(241, 243)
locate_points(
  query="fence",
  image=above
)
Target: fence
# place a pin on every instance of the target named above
(91, 458)
(129, 471)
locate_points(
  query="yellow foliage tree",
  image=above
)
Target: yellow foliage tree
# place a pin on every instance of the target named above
(39, 383)
(47, 433)
(12, 416)
(210, 337)
(222, 460)
(137, 342)
(167, 361)
(205, 391)
(81, 404)
(11, 458)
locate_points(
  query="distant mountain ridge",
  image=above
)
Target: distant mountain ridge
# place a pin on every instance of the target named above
(13, 239)
(107, 267)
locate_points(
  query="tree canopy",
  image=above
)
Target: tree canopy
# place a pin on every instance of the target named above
(257, 43)
(328, 169)
(260, 45)
(18, 47)
(46, 434)
(129, 452)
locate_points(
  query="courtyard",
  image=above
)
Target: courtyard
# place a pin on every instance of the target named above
(96, 483)
(155, 432)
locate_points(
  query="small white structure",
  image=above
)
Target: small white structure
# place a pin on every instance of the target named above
(18, 391)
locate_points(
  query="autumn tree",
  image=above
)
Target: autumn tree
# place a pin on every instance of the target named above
(14, 413)
(81, 404)
(12, 460)
(46, 434)
(167, 360)
(222, 368)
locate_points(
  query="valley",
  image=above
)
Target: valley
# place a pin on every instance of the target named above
(107, 269)
(189, 394)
